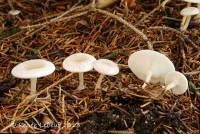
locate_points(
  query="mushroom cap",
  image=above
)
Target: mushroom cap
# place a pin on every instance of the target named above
(35, 68)
(189, 11)
(104, 3)
(79, 62)
(106, 67)
(192, 1)
(14, 12)
(145, 61)
(180, 80)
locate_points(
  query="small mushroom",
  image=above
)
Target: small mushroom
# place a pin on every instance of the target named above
(14, 12)
(105, 67)
(177, 82)
(189, 2)
(150, 66)
(33, 69)
(187, 13)
(193, 1)
(79, 63)
(104, 3)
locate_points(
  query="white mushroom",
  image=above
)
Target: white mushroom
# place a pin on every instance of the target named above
(150, 66)
(192, 1)
(79, 63)
(104, 3)
(105, 67)
(14, 12)
(177, 82)
(188, 12)
(33, 69)
(185, 18)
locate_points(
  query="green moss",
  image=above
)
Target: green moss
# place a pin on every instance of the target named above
(9, 32)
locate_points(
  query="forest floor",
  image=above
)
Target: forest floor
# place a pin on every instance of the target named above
(54, 30)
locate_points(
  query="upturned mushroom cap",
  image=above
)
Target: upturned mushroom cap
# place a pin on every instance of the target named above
(189, 11)
(179, 79)
(79, 63)
(144, 61)
(192, 1)
(33, 69)
(106, 67)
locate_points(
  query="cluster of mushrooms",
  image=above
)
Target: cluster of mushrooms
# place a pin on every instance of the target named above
(188, 12)
(154, 67)
(148, 65)
(75, 63)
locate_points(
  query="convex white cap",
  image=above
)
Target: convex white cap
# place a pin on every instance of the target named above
(145, 62)
(79, 63)
(192, 1)
(106, 67)
(33, 69)
(189, 11)
(177, 82)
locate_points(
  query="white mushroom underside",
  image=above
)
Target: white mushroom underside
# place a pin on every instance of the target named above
(144, 62)
(79, 62)
(181, 83)
(106, 67)
(189, 11)
(33, 69)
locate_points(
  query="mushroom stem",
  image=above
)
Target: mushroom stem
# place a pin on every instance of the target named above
(81, 82)
(171, 85)
(187, 22)
(99, 81)
(184, 19)
(33, 85)
(183, 22)
(147, 80)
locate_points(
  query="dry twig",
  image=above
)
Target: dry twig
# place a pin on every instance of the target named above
(144, 37)
(178, 33)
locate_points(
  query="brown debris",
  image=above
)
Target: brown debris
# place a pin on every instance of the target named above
(46, 120)
(53, 30)
(20, 129)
